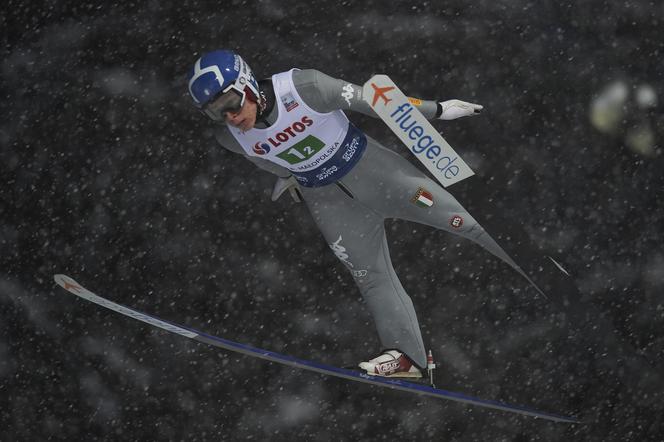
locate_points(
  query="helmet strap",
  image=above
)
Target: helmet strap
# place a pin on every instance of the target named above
(261, 100)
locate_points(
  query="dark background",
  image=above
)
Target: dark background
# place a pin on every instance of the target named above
(110, 176)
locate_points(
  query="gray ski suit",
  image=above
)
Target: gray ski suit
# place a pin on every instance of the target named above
(351, 212)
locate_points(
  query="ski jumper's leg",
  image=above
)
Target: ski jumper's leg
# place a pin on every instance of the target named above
(356, 235)
(410, 195)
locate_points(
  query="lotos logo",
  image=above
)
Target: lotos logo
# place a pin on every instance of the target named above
(289, 132)
(261, 148)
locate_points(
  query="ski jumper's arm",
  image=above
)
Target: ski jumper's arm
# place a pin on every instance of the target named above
(285, 181)
(326, 94)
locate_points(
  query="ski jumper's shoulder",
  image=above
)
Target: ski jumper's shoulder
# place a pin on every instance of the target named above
(226, 139)
(324, 93)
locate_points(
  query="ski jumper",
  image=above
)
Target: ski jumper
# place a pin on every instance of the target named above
(350, 205)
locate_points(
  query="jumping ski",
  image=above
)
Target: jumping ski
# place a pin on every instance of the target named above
(77, 289)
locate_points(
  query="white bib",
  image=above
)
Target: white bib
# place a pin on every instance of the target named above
(317, 148)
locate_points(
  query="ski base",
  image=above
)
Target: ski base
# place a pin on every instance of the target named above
(411, 387)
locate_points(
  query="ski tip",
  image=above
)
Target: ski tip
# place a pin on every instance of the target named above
(65, 281)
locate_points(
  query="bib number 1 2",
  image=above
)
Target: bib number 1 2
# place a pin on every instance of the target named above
(302, 150)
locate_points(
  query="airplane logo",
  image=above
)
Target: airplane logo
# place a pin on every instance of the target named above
(379, 92)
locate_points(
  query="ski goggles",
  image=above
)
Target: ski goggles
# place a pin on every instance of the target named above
(230, 99)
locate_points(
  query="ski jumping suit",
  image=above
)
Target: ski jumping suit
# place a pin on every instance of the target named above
(351, 191)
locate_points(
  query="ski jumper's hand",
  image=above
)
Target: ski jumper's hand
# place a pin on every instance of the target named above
(453, 109)
(284, 184)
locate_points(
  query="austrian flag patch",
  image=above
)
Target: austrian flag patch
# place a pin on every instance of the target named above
(423, 198)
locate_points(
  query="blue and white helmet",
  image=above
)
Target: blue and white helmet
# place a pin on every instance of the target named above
(218, 72)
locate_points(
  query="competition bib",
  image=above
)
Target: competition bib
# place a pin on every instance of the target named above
(317, 148)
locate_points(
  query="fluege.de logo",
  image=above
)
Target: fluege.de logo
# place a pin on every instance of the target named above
(402, 116)
(423, 143)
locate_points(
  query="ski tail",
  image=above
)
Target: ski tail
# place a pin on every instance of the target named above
(77, 289)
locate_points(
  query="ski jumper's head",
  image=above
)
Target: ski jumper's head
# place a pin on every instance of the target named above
(223, 87)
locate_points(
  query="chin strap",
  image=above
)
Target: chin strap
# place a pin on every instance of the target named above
(265, 99)
(262, 103)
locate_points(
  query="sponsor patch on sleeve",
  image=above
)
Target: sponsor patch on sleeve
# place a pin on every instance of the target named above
(423, 198)
(456, 221)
